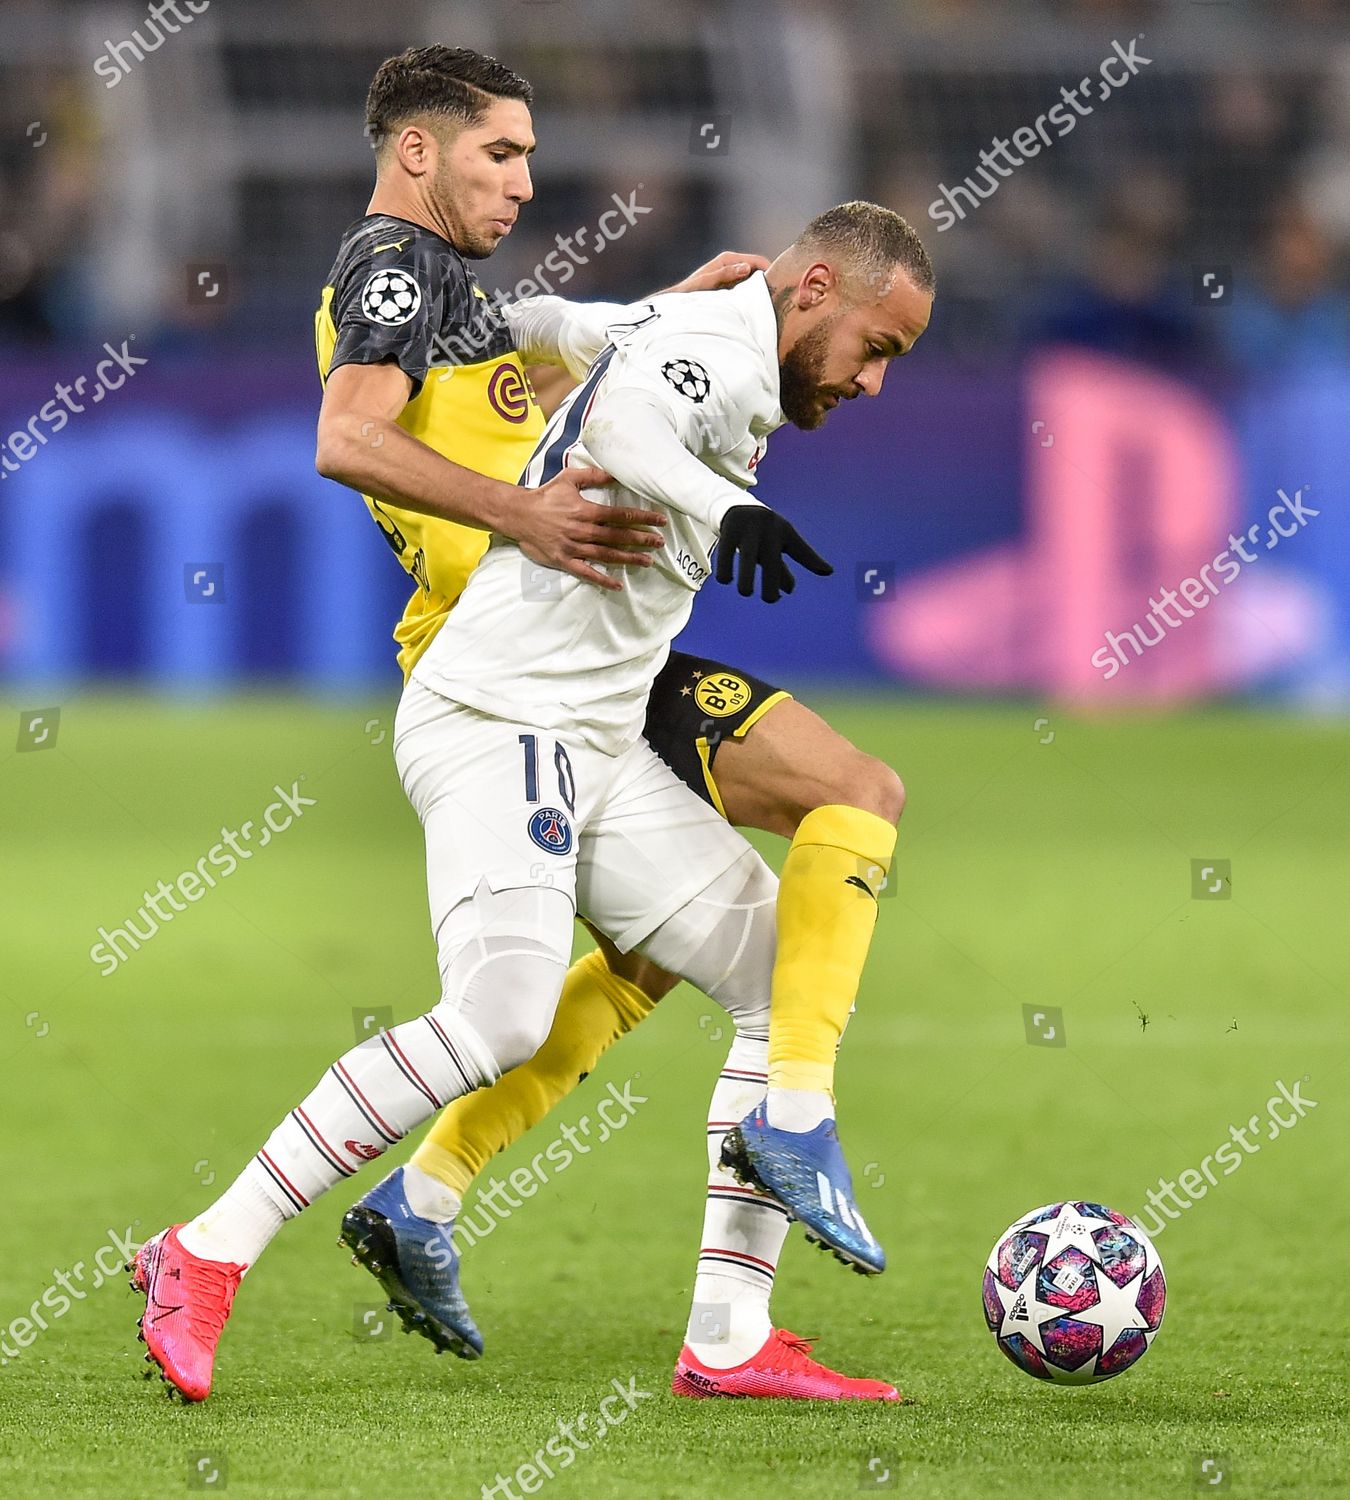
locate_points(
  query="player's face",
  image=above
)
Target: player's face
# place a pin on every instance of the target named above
(483, 177)
(846, 350)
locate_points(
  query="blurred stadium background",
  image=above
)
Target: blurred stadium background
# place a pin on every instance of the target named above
(1139, 339)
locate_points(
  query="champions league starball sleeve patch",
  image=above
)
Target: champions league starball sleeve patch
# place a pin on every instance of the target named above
(391, 298)
(688, 377)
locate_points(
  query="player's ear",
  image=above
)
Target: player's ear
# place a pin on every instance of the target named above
(817, 282)
(416, 148)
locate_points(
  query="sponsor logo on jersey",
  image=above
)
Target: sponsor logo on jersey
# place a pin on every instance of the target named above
(391, 298)
(508, 393)
(361, 1149)
(694, 571)
(722, 694)
(549, 828)
(390, 533)
(688, 377)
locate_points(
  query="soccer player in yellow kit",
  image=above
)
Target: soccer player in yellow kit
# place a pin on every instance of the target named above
(418, 363)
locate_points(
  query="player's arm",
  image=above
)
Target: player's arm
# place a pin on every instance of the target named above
(561, 339)
(361, 444)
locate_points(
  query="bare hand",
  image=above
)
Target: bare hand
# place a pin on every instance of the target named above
(559, 529)
(726, 269)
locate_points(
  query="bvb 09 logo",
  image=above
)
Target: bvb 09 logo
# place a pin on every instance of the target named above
(508, 393)
(722, 695)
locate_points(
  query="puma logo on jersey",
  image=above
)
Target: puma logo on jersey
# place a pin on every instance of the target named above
(392, 245)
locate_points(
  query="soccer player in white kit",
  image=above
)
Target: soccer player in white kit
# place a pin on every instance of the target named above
(519, 735)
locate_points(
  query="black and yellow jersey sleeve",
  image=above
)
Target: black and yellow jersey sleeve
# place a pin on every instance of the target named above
(396, 299)
(397, 293)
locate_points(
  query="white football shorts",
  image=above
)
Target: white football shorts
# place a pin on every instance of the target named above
(519, 807)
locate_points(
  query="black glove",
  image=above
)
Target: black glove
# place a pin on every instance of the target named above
(761, 538)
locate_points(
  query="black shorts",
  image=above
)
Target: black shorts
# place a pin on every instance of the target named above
(695, 704)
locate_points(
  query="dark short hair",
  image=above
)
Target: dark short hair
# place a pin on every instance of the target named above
(455, 83)
(874, 241)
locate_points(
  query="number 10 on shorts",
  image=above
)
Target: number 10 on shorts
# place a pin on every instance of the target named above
(567, 787)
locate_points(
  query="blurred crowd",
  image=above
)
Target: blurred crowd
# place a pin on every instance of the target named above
(1204, 217)
(49, 162)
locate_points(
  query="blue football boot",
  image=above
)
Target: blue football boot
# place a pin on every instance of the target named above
(416, 1262)
(805, 1171)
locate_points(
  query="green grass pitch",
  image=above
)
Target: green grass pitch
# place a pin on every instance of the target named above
(1042, 865)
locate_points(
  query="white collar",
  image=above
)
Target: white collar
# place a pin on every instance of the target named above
(755, 302)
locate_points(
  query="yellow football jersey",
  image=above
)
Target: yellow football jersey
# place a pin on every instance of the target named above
(397, 292)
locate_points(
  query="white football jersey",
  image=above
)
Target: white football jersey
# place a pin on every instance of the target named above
(678, 406)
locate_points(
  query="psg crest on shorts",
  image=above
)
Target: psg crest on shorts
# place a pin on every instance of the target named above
(550, 829)
(688, 377)
(391, 298)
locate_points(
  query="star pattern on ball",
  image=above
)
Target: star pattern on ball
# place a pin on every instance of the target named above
(391, 298)
(688, 377)
(1079, 1270)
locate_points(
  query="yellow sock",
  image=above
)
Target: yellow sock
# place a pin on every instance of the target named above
(826, 912)
(595, 1009)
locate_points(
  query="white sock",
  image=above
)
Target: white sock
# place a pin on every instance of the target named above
(238, 1225)
(799, 1109)
(366, 1102)
(428, 1196)
(743, 1230)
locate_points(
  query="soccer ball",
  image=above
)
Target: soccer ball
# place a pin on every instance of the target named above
(1074, 1293)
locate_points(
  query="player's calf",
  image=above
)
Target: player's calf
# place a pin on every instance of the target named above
(795, 775)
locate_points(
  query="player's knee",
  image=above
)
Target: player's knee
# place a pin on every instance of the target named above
(723, 941)
(507, 993)
(882, 789)
(654, 981)
(519, 1037)
(743, 945)
(863, 781)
